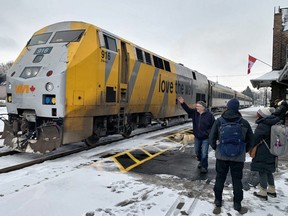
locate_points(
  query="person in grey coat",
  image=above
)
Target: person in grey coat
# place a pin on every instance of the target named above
(235, 163)
(264, 162)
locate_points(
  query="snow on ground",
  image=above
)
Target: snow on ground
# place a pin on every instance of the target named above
(85, 185)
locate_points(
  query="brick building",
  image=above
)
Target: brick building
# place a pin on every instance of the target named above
(277, 79)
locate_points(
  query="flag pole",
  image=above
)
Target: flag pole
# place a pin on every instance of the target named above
(264, 62)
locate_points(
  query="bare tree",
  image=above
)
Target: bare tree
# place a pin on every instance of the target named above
(5, 66)
(3, 70)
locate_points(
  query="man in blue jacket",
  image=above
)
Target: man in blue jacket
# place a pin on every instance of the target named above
(202, 120)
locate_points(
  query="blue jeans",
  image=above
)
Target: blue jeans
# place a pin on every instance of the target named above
(201, 151)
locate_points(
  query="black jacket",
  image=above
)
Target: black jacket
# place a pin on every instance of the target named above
(264, 161)
(232, 116)
(202, 123)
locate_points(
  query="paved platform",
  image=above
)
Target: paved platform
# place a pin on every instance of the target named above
(164, 157)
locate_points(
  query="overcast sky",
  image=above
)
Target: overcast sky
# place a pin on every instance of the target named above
(213, 37)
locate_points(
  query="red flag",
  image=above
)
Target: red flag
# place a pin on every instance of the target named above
(251, 61)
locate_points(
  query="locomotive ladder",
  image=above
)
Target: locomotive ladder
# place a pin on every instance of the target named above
(122, 118)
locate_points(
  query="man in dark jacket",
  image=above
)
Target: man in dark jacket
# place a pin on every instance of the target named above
(234, 163)
(202, 120)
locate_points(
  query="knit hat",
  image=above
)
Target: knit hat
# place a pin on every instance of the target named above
(264, 112)
(202, 103)
(233, 104)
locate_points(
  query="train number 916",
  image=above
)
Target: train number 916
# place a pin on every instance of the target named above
(105, 55)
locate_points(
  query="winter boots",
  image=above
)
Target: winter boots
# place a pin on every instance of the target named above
(217, 209)
(271, 191)
(203, 170)
(239, 208)
(263, 192)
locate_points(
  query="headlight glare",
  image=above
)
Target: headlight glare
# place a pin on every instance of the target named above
(49, 86)
(29, 72)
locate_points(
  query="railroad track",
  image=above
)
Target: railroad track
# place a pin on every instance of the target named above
(5, 153)
(55, 155)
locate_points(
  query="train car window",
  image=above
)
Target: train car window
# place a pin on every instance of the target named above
(167, 66)
(139, 54)
(67, 36)
(110, 43)
(161, 65)
(200, 97)
(39, 39)
(148, 58)
(194, 75)
(158, 62)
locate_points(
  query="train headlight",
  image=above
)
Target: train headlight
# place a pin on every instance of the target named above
(9, 98)
(29, 72)
(49, 86)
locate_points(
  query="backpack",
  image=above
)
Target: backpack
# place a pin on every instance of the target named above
(279, 140)
(231, 140)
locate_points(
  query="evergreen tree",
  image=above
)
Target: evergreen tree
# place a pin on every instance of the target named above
(248, 92)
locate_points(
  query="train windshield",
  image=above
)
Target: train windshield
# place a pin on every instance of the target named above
(39, 39)
(67, 36)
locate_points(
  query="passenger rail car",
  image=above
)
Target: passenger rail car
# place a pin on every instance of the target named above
(74, 81)
(244, 100)
(219, 96)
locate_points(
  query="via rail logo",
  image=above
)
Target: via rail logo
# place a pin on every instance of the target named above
(21, 89)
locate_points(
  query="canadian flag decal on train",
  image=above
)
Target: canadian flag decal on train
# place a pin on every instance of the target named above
(21, 89)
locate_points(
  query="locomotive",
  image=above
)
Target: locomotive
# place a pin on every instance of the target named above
(75, 82)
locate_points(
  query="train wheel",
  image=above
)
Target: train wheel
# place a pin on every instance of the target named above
(92, 140)
(127, 131)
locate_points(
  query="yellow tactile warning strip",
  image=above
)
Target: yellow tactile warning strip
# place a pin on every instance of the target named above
(132, 158)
